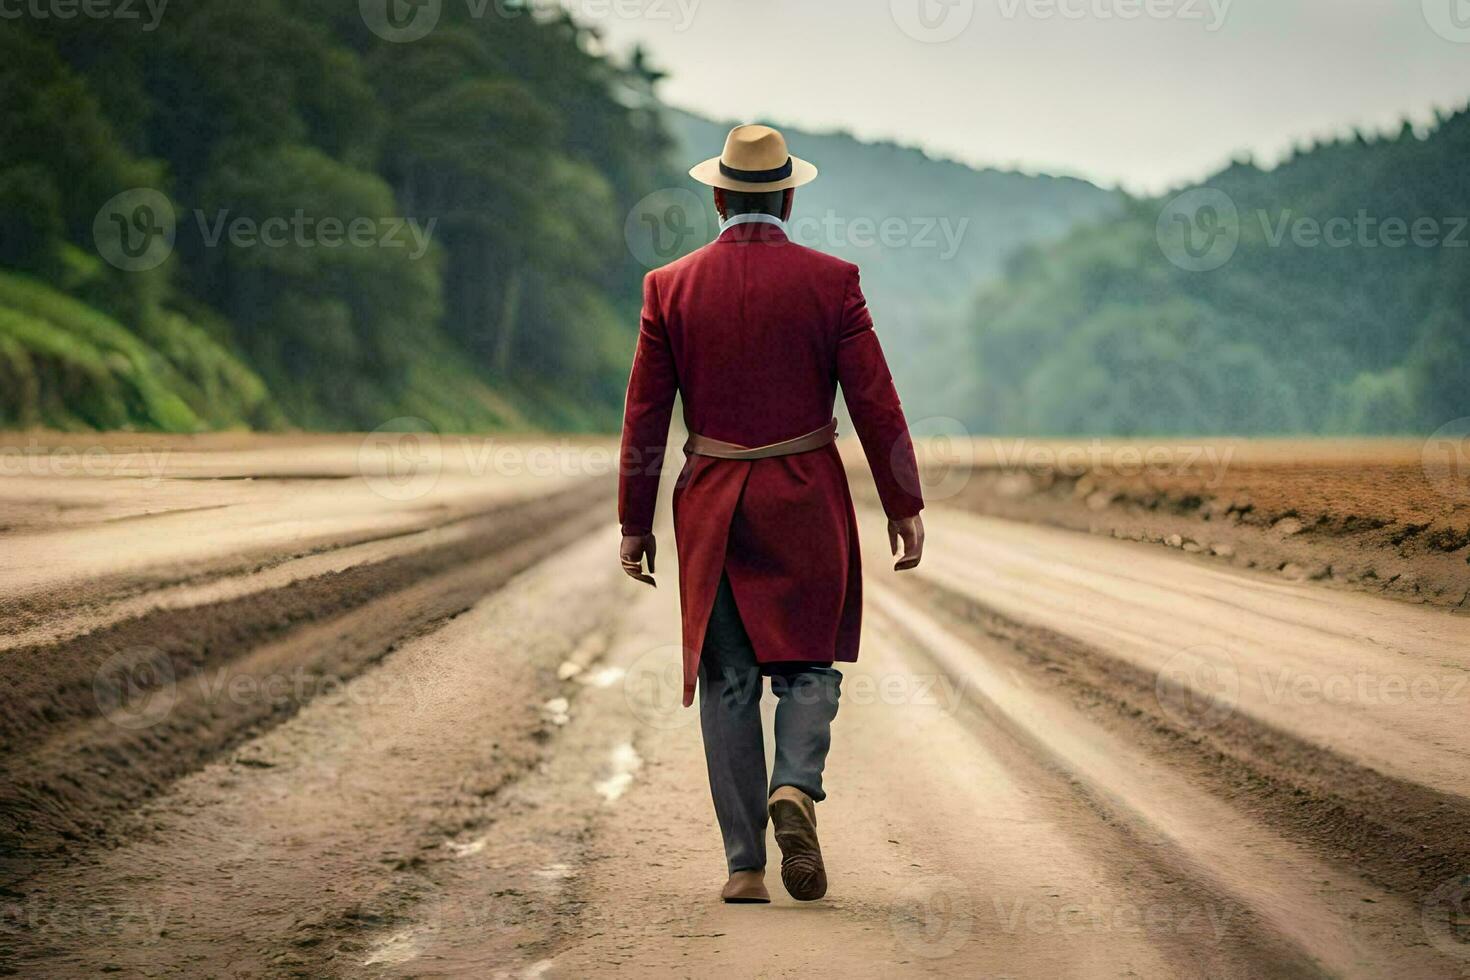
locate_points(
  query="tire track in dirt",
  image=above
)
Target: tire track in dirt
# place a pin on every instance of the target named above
(1407, 838)
(1001, 829)
(1324, 912)
(294, 854)
(173, 678)
(952, 853)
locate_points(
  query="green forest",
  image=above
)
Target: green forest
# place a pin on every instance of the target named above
(507, 152)
(523, 146)
(1361, 327)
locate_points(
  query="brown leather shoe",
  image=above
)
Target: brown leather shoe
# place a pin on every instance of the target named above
(794, 816)
(746, 888)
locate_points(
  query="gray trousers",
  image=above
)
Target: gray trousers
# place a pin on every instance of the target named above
(730, 687)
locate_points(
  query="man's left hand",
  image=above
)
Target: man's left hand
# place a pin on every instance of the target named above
(632, 552)
(909, 530)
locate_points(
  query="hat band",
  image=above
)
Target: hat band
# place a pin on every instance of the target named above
(758, 176)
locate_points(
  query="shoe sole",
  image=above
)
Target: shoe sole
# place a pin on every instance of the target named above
(802, 871)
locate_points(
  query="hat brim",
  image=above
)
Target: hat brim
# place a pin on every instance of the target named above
(709, 173)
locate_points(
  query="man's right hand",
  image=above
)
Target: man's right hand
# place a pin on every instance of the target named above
(631, 553)
(911, 531)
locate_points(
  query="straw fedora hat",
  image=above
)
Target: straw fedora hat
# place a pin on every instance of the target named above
(755, 159)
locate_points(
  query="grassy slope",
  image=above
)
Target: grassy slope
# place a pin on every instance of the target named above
(65, 365)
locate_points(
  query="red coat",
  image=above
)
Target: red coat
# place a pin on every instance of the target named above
(756, 333)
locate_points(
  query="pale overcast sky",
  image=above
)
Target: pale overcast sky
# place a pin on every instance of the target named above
(1145, 94)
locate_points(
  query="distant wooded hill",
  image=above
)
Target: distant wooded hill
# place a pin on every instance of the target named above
(1328, 295)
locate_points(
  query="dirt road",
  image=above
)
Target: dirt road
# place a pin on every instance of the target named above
(269, 713)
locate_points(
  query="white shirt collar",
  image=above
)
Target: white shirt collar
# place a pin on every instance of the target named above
(745, 219)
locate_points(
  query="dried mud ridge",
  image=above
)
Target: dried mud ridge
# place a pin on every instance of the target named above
(1384, 530)
(219, 673)
(1405, 838)
(18, 614)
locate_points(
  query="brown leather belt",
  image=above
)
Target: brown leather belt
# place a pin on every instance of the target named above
(699, 445)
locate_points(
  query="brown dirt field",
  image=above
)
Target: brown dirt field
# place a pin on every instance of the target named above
(1060, 755)
(1385, 516)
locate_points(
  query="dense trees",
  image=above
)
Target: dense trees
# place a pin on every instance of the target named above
(504, 137)
(516, 149)
(1345, 307)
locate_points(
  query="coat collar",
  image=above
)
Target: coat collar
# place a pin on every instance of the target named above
(745, 219)
(752, 228)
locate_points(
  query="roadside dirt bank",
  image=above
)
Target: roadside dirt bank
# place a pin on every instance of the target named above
(1384, 516)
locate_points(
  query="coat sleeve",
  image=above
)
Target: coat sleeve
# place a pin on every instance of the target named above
(872, 401)
(650, 401)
